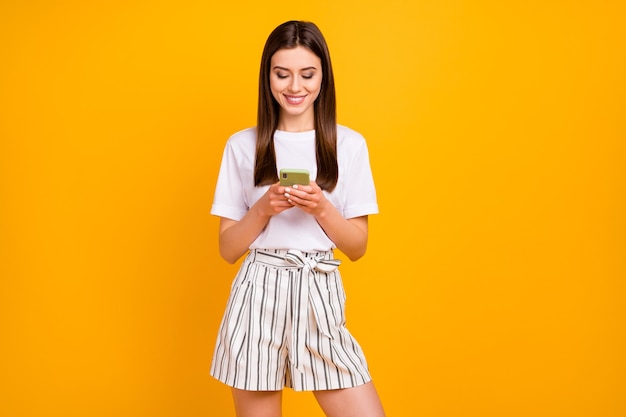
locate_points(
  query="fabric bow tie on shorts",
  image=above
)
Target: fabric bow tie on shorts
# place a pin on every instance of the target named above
(308, 294)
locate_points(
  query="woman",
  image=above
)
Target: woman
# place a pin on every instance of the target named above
(284, 324)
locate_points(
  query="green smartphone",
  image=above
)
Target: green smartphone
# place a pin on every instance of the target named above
(290, 176)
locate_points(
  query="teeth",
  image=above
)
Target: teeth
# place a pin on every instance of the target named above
(294, 100)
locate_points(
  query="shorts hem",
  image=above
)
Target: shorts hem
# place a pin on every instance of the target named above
(328, 387)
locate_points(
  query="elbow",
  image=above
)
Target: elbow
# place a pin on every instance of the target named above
(356, 254)
(230, 260)
(355, 258)
(228, 252)
(228, 257)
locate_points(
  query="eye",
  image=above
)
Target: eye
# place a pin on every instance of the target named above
(281, 75)
(307, 76)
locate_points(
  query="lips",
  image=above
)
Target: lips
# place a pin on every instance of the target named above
(295, 99)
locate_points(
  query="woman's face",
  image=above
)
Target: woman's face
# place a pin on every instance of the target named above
(295, 81)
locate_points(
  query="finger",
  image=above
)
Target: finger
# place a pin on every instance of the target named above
(303, 188)
(297, 192)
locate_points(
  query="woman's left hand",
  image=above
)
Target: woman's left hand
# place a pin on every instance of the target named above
(349, 235)
(309, 198)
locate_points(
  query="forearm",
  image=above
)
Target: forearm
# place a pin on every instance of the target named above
(236, 236)
(349, 235)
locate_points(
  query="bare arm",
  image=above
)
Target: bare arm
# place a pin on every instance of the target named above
(236, 236)
(349, 235)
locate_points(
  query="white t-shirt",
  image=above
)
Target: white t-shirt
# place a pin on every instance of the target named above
(353, 196)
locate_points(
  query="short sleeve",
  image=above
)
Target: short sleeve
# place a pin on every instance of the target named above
(229, 200)
(360, 190)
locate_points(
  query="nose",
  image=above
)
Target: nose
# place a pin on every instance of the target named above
(294, 85)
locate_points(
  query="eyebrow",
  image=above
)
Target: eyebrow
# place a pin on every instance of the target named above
(301, 69)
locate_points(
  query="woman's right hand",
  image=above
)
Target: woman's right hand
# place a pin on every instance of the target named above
(237, 235)
(274, 200)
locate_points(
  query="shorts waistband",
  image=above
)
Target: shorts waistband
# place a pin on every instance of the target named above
(292, 258)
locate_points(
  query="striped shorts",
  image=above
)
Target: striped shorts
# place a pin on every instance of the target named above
(284, 326)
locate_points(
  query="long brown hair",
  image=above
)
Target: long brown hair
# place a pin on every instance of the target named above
(290, 35)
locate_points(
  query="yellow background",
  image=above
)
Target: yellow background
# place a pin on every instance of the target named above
(494, 279)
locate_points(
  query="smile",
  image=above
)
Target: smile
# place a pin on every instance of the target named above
(294, 99)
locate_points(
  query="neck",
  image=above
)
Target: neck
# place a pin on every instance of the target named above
(299, 123)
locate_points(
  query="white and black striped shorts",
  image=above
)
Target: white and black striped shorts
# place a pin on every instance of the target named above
(284, 326)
